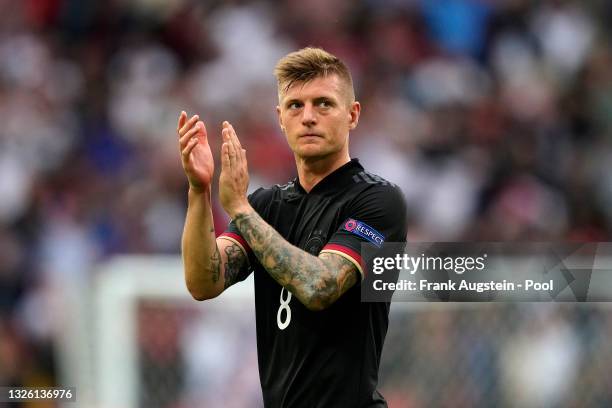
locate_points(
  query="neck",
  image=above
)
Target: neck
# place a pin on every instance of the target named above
(312, 170)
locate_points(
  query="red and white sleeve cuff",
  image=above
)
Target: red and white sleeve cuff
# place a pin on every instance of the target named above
(238, 240)
(347, 253)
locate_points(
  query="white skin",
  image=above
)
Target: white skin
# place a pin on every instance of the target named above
(316, 118)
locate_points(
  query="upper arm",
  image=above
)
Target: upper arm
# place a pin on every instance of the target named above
(377, 216)
(234, 264)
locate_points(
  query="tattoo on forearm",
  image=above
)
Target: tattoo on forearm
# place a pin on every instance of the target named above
(316, 281)
(215, 265)
(234, 269)
(235, 265)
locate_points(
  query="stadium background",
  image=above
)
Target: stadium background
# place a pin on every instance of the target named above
(495, 118)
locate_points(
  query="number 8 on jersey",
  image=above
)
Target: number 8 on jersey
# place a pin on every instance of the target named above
(284, 305)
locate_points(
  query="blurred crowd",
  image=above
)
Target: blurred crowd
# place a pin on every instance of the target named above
(502, 355)
(493, 116)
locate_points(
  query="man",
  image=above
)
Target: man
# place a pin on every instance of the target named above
(318, 344)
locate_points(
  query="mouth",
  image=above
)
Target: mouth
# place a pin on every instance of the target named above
(310, 135)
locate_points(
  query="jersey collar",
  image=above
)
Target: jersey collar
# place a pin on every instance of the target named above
(340, 177)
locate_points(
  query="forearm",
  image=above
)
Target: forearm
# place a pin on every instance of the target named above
(201, 258)
(308, 277)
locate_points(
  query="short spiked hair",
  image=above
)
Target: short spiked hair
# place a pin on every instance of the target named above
(307, 64)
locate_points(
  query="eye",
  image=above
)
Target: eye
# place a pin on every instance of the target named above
(294, 105)
(325, 104)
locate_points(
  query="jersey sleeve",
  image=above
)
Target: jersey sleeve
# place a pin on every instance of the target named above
(376, 216)
(232, 233)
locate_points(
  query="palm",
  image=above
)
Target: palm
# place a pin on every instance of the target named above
(195, 151)
(201, 166)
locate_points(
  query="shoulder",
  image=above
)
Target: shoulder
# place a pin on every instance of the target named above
(265, 195)
(260, 196)
(365, 177)
(275, 190)
(379, 204)
(376, 190)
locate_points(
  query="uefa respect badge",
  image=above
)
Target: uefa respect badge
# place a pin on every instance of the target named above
(363, 230)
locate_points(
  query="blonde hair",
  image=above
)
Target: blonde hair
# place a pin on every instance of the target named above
(307, 64)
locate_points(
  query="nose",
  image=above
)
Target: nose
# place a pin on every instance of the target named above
(309, 117)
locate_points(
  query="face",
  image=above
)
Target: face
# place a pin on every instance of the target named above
(317, 116)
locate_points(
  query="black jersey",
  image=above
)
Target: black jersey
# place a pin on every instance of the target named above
(326, 358)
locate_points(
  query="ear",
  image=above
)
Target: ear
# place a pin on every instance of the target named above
(280, 118)
(354, 112)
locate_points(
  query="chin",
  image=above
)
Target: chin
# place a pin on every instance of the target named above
(311, 152)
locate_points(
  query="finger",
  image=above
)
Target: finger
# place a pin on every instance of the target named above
(243, 158)
(231, 151)
(187, 137)
(225, 135)
(201, 129)
(225, 129)
(234, 136)
(188, 125)
(187, 150)
(225, 160)
(235, 143)
(181, 121)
